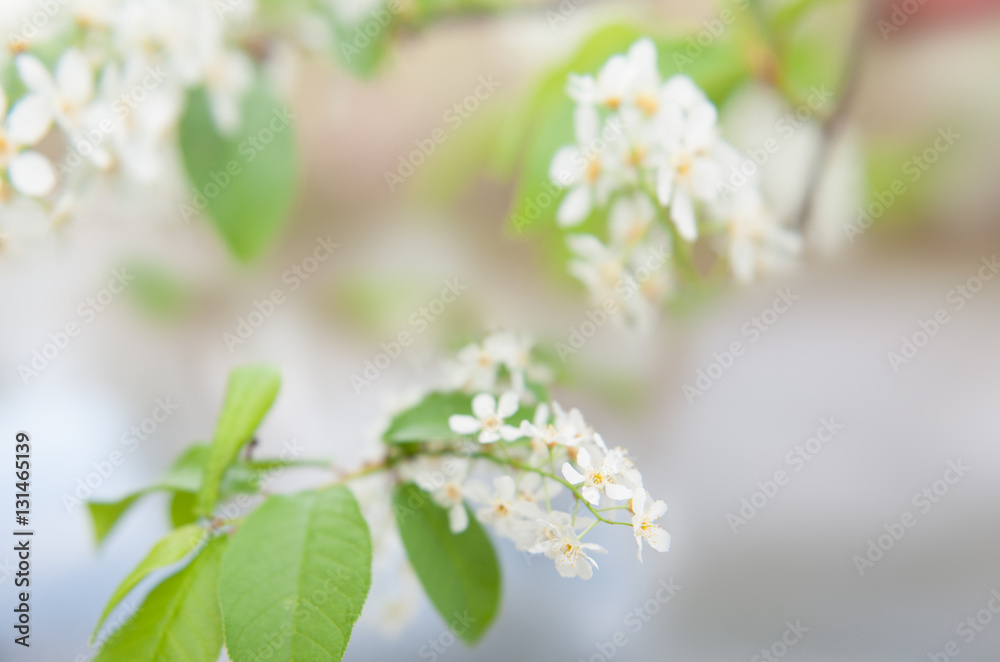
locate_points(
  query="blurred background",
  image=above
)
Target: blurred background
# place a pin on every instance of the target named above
(791, 564)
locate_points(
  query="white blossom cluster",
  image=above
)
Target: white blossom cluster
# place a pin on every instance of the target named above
(554, 454)
(116, 92)
(649, 150)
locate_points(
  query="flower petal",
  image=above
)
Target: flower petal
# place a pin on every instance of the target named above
(484, 405)
(458, 518)
(29, 120)
(32, 174)
(573, 476)
(504, 487)
(618, 492)
(682, 214)
(508, 404)
(575, 207)
(510, 433)
(34, 75)
(75, 77)
(464, 424)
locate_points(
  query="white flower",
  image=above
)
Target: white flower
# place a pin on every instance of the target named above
(503, 508)
(689, 167)
(601, 268)
(642, 522)
(629, 218)
(561, 543)
(28, 121)
(603, 476)
(442, 479)
(488, 418)
(758, 242)
(587, 168)
(630, 79)
(573, 429)
(543, 434)
(477, 367)
(228, 78)
(68, 93)
(514, 352)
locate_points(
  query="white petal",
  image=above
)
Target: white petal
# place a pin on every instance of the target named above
(618, 492)
(575, 207)
(664, 185)
(464, 424)
(3, 102)
(510, 433)
(572, 476)
(484, 405)
(505, 488)
(591, 494)
(458, 518)
(658, 539)
(541, 417)
(639, 501)
(34, 74)
(657, 510)
(583, 568)
(32, 174)
(508, 404)
(75, 77)
(682, 213)
(488, 437)
(583, 458)
(29, 120)
(566, 169)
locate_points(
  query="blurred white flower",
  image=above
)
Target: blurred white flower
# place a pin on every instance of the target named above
(586, 168)
(29, 172)
(562, 544)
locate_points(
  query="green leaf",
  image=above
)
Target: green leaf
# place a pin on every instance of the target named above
(249, 395)
(171, 549)
(105, 514)
(428, 420)
(183, 509)
(180, 620)
(459, 572)
(300, 566)
(247, 181)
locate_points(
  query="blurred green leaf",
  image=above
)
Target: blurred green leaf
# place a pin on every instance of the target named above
(105, 514)
(246, 182)
(459, 572)
(171, 549)
(249, 395)
(179, 620)
(158, 292)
